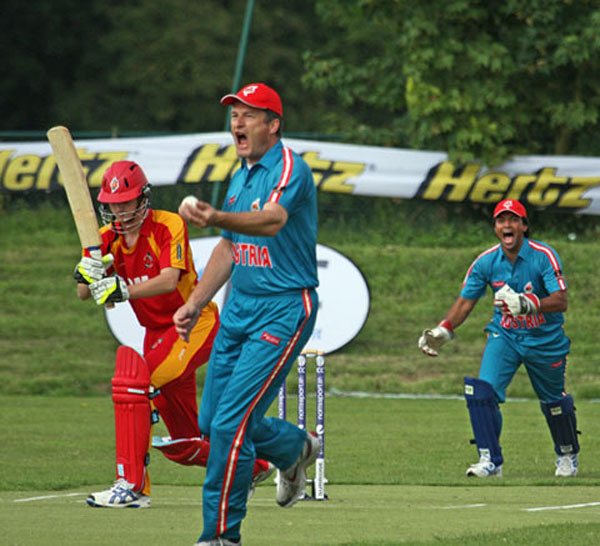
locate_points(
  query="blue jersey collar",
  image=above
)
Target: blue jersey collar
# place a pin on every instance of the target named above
(271, 157)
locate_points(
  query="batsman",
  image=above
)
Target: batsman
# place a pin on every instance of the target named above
(527, 327)
(147, 259)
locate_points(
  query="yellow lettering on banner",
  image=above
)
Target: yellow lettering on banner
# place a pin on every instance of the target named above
(20, 174)
(341, 172)
(317, 165)
(490, 188)
(573, 196)
(444, 177)
(4, 157)
(210, 166)
(520, 185)
(332, 175)
(45, 174)
(543, 194)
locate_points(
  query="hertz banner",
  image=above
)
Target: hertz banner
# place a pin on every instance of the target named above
(559, 182)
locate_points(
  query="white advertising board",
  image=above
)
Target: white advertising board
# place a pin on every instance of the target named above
(344, 301)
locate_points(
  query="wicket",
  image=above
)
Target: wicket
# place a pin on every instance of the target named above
(318, 483)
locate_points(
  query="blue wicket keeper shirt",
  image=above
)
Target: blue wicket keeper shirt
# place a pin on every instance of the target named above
(538, 270)
(270, 265)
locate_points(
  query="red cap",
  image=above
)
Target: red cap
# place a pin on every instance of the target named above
(510, 205)
(256, 95)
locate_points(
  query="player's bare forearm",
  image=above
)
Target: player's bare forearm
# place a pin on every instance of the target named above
(164, 283)
(265, 222)
(185, 319)
(555, 302)
(459, 311)
(216, 273)
(214, 276)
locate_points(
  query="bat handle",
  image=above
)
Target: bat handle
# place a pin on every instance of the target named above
(95, 252)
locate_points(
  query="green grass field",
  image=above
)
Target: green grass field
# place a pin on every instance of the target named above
(395, 469)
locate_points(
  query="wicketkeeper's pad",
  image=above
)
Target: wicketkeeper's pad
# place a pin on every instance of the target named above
(562, 422)
(486, 420)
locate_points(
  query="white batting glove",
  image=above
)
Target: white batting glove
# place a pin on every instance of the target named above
(512, 304)
(92, 268)
(432, 340)
(109, 290)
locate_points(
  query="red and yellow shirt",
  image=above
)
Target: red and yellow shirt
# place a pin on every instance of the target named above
(162, 242)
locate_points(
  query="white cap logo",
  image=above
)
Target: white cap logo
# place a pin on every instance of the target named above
(114, 185)
(508, 205)
(249, 90)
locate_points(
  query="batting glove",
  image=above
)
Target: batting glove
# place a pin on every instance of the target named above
(109, 290)
(432, 340)
(512, 304)
(92, 268)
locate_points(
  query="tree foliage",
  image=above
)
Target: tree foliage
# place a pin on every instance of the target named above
(150, 65)
(481, 80)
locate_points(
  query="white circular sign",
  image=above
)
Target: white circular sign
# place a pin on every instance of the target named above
(344, 301)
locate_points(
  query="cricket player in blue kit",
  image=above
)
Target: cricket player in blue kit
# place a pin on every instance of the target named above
(268, 249)
(530, 296)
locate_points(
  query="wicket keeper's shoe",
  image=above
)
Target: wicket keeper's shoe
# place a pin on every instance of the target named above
(219, 541)
(292, 482)
(260, 477)
(485, 469)
(120, 495)
(566, 466)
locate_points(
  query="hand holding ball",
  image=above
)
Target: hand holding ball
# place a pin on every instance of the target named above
(186, 206)
(190, 200)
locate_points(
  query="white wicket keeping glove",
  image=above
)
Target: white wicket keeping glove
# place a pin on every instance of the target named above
(92, 268)
(513, 304)
(432, 340)
(109, 290)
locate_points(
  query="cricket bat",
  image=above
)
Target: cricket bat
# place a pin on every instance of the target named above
(78, 191)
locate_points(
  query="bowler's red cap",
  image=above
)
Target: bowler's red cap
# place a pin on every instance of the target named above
(256, 95)
(510, 205)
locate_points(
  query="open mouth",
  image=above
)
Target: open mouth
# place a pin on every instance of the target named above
(508, 237)
(241, 140)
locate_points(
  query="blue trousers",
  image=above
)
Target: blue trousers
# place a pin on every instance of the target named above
(503, 356)
(255, 348)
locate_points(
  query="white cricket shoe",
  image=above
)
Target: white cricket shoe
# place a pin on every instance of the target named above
(291, 483)
(485, 469)
(566, 466)
(260, 477)
(120, 495)
(218, 541)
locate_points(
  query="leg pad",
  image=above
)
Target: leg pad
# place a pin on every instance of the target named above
(133, 416)
(562, 422)
(485, 417)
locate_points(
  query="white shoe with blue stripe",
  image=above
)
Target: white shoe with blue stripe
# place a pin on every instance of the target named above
(120, 495)
(485, 469)
(566, 466)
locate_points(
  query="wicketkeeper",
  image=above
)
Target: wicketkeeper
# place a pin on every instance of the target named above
(527, 327)
(148, 261)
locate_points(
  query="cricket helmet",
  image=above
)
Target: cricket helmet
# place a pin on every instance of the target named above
(122, 181)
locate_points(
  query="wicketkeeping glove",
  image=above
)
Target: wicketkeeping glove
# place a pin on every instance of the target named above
(109, 290)
(514, 304)
(431, 340)
(92, 268)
